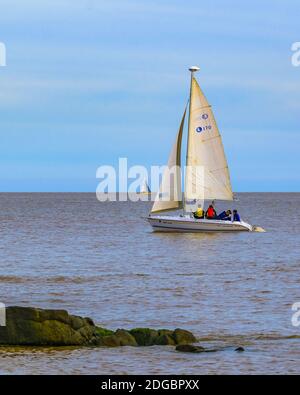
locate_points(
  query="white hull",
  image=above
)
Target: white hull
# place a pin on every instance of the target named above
(187, 224)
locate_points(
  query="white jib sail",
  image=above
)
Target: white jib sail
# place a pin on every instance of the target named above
(207, 174)
(169, 196)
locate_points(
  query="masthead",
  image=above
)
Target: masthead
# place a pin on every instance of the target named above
(193, 69)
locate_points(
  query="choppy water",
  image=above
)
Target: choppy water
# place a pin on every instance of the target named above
(69, 251)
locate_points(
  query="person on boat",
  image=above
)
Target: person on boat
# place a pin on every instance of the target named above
(225, 215)
(236, 216)
(199, 213)
(211, 212)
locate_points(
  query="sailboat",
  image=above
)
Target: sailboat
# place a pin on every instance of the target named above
(207, 175)
(145, 189)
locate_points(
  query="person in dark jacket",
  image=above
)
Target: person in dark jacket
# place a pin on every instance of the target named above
(225, 215)
(236, 216)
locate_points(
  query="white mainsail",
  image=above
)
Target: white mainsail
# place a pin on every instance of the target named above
(207, 174)
(169, 196)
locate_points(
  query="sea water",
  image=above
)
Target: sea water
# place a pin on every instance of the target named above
(69, 251)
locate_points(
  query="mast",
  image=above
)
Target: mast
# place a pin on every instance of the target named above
(193, 70)
(207, 175)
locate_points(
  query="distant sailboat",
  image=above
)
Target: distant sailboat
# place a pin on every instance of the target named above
(207, 174)
(145, 189)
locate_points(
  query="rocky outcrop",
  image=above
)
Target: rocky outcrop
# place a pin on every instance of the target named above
(26, 326)
(151, 337)
(31, 326)
(119, 338)
(183, 337)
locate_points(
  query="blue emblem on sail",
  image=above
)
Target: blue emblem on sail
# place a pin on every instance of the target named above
(199, 129)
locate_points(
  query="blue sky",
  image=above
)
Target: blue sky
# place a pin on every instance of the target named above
(90, 81)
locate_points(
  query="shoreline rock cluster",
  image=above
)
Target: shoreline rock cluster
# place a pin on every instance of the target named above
(27, 326)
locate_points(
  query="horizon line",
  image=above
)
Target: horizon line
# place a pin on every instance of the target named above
(107, 193)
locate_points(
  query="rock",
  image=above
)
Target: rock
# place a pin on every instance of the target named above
(190, 348)
(240, 349)
(150, 337)
(27, 326)
(165, 332)
(195, 349)
(89, 321)
(165, 340)
(182, 336)
(78, 322)
(31, 326)
(126, 339)
(104, 332)
(109, 341)
(144, 336)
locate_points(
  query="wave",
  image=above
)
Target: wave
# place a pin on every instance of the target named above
(66, 279)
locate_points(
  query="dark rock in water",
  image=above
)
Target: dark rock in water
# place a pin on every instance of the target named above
(109, 341)
(167, 332)
(195, 349)
(144, 336)
(125, 338)
(182, 336)
(31, 326)
(27, 326)
(240, 349)
(165, 340)
(108, 338)
(190, 348)
(104, 332)
(151, 337)
(89, 321)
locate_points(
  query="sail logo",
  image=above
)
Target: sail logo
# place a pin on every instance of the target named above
(200, 129)
(2, 55)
